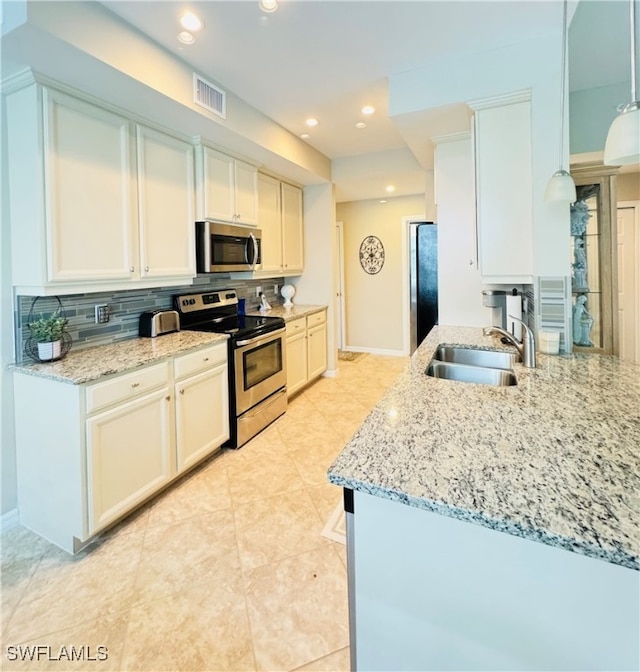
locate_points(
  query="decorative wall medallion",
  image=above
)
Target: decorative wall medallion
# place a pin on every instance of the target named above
(371, 254)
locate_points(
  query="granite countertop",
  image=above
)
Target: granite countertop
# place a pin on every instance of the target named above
(293, 313)
(554, 459)
(88, 364)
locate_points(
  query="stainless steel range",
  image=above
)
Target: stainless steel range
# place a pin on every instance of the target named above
(257, 367)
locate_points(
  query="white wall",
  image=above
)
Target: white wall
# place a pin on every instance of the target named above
(374, 303)
(591, 112)
(317, 285)
(87, 47)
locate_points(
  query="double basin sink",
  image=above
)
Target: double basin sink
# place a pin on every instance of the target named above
(473, 365)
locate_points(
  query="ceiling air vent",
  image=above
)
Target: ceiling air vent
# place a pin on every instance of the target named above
(209, 96)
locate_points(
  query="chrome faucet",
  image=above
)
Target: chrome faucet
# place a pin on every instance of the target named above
(526, 348)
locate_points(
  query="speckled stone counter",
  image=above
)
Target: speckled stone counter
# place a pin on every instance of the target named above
(82, 366)
(554, 459)
(293, 313)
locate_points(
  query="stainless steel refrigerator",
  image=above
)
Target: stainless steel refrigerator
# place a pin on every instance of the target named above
(423, 251)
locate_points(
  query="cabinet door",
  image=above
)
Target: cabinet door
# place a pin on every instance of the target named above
(246, 193)
(504, 192)
(90, 207)
(317, 350)
(270, 222)
(292, 229)
(165, 205)
(129, 451)
(202, 415)
(218, 185)
(296, 362)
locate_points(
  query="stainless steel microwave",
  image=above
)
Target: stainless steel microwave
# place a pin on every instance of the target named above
(227, 247)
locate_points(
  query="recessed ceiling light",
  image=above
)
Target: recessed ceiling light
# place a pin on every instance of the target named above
(368, 109)
(360, 124)
(311, 122)
(268, 6)
(186, 37)
(190, 21)
(382, 200)
(390, 189)
(305, 136)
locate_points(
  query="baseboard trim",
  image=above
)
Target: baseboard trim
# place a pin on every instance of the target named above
(9, 520)
(375, 351)
(330, 373)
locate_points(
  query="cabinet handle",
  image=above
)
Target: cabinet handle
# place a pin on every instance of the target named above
(135, 384)
(131, 269)
(205, 359)
(181, 391)
(146, 269)
(168, 398)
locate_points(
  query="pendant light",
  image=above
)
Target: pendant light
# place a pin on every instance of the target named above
(623, 140)
(561, 186)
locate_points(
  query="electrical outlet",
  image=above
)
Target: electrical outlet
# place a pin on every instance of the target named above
(101, 313)
(258, 291)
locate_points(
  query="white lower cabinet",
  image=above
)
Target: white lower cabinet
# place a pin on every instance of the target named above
(202, 406)
(297, 357)
(316, 344)
(99, 450)
(306, 350)
(129, 451)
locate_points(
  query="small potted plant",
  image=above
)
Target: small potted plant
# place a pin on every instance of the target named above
(47, 332)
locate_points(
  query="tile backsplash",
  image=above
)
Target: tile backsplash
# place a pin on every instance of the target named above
(125, 308)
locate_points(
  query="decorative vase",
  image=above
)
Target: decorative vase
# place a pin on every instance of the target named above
(287, 293)
(49, 351)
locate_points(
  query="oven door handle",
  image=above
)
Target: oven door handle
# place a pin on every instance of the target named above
(264, 337)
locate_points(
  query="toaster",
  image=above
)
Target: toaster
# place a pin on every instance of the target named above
(157, 322)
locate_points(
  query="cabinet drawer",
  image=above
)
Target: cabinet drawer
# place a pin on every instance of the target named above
(316, 319)
(296, 326)
(200, 360)
(125, 387)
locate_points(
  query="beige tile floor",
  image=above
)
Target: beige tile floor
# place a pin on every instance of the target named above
(227, 570)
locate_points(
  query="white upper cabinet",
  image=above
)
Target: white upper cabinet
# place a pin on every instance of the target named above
(504, 188)
(83, 218)
(280, 220)
(88, 190)
(270, 222)
(166, 194)
(227, 188)
(292, 229)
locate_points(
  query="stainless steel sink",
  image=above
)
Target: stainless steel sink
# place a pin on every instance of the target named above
(474, 357)
(471, 374)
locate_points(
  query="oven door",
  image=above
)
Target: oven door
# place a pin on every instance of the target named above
(260, 368)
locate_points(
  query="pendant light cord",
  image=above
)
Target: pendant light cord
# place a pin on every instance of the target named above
(562, 80)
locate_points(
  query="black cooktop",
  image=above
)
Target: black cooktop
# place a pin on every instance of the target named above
(218, 312)
(239, 326)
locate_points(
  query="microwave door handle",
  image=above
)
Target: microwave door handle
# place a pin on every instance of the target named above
(254, 242)
(208, 246)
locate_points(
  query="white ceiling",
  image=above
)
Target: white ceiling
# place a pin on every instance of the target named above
(329, 58)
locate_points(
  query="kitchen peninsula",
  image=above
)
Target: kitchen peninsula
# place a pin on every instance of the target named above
(497, 527)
